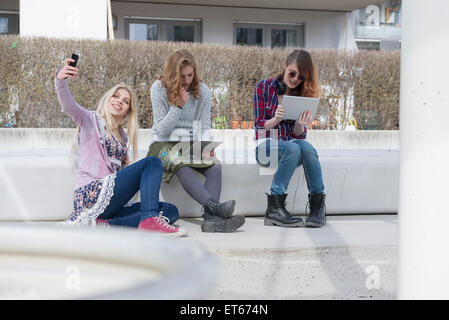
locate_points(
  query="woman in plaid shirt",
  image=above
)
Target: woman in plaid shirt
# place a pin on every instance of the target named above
(282, 143)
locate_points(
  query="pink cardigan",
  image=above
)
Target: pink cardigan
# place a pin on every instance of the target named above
(93, 162)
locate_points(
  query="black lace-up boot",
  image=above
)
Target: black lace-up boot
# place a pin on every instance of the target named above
(224, 210)
(277, 215)
(214, 223)
(317, 216)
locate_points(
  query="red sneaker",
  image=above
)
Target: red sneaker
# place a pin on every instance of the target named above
(161, 225)
(100, 223)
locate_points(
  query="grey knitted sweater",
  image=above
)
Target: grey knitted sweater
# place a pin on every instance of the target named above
(171, 123)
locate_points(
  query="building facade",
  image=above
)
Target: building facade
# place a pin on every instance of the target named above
(378, 27)
(283, 23)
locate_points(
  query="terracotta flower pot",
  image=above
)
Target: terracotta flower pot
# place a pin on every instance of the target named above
(245, 125)
(235, 124)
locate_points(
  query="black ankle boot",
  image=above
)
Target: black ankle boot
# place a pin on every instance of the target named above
(214, 223)
(225, 209)
(277, 215)
(317, 206)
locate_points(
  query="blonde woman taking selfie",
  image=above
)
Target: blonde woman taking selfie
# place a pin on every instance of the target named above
(106, 180)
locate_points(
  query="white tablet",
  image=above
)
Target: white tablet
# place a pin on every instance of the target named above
(294, 105)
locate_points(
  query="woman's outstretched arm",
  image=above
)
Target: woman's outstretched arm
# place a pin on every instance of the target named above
(65, 98)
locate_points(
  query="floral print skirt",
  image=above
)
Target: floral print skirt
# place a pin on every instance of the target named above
(91, 200)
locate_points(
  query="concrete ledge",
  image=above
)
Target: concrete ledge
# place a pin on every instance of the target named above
(56, 138)
(360, 172)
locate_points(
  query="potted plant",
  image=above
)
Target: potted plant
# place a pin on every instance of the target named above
(236, 121)
(219, 122)
(245, 125)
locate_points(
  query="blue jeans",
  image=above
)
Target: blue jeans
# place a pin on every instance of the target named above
(144, 175)
(290, 155)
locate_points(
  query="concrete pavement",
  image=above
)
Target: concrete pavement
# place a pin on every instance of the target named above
(352, 257)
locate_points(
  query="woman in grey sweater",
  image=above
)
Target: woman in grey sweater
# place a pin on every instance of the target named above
(181, 109)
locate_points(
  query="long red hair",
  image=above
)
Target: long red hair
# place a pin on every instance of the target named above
(171, 79)
(310, 87)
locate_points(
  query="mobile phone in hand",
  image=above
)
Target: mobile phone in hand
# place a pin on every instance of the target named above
(74, 57)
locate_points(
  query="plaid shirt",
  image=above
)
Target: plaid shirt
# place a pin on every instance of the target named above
(265, 102)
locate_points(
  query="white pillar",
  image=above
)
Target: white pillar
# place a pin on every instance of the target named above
(424, 163)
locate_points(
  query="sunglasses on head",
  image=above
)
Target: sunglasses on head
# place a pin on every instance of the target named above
(293, 75)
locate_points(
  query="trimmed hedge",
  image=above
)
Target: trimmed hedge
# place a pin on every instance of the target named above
(363, 85)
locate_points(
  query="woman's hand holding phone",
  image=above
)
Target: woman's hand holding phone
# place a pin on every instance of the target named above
(67, 71)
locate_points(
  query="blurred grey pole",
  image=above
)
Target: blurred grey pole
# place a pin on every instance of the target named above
(424, 158)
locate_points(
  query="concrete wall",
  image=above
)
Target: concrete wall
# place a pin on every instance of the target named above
(360, 173)
(9, 5)
(322, 29)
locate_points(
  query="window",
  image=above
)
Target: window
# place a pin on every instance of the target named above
(162, 29)
(249, 36)
(3, 25)
(181, 32)
(9, 23)
(142, 31)
(283, 38)
(269, 35)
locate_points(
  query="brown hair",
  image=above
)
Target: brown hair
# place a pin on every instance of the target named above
(310, 87)
(171, 79)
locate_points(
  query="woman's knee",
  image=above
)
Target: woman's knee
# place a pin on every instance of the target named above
(307, 149)
(154, 162)
(185, 171)
(291, 152)
(214, 170)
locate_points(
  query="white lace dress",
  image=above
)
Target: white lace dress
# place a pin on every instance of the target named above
(90, 200)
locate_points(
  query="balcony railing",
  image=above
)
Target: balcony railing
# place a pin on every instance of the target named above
(381, 32)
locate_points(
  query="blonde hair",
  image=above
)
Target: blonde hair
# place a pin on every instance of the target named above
(171, 79)
(129, 121)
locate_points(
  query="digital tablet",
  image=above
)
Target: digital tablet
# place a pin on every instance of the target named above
(294, 105)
